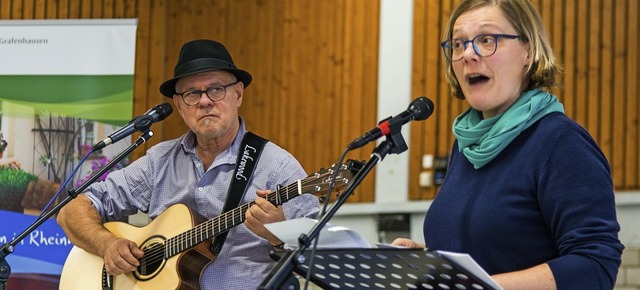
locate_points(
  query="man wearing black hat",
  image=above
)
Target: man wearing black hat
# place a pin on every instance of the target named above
(197, 170)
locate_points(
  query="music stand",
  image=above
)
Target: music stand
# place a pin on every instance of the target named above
(385, 269)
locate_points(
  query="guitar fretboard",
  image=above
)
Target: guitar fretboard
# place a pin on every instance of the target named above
(236, 216)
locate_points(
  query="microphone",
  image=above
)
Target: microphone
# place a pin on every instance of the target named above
(140, 123)
(419, 109)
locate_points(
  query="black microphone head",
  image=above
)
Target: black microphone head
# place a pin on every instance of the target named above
(155, 114)
(421, 108)
(163, 110)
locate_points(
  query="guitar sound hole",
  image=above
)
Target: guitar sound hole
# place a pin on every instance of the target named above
(152, 261)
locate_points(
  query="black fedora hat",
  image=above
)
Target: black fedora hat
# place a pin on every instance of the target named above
(202, 55)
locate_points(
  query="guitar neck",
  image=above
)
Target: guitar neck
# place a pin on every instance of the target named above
(226, 221)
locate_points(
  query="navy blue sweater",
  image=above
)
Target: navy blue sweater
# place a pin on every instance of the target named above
(548, 197)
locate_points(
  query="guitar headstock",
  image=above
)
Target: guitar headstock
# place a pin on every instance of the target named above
(318, 183)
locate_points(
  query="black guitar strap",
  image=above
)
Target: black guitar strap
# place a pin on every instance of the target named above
(248, 156)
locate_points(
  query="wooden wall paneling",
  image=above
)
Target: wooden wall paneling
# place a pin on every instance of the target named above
(359, 84)
(17, 9)
(178, 31)
(349, 85)
(444, 99)
(570, 59)
(273, 85)
(296, 77)
(256, 51)
(5, 10)
(371, 29)
(108, 9)
(284, 90)
(131, 7)
(557, 39)
(28, 10)
(433, 136)
(150, 64)
(545, 8)
(159, 66)
(280, 90)
(447, 106)
(33, 8)
(74, 9)
(155, 62)
(347, 95)
(351, 88)
(317, 132)
(97, 9)
(632, 170)
(593, 97)
(582, 59)
(44, 11)
(619, 93)
(606, 80)
(436, 137)
(56, 12)
(119, 8)
(457, 106)
(85, 9)
(277, 89)
(418, 87)
(311, 66)
(294, 50)
(142, 73)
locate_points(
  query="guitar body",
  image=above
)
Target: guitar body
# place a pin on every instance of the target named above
(83, 270)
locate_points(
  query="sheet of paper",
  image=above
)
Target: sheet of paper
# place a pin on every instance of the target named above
(468, 263)
(331, 236)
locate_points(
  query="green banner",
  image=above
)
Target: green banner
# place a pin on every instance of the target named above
(103, 98)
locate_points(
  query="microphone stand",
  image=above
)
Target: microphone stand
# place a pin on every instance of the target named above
(280, 276)
(8, 248)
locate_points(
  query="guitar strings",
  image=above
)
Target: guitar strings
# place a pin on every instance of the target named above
(173, 245)
(199, 233)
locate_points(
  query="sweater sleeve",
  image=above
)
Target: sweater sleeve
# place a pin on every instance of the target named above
(577, 200)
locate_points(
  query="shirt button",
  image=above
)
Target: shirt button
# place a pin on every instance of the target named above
(198, 165)
(200, 188)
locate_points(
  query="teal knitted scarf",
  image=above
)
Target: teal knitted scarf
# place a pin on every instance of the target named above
(482, 140)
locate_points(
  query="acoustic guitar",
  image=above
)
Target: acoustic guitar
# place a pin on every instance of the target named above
(177, 244)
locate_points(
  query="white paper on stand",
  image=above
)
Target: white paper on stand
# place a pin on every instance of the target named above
(331, 236)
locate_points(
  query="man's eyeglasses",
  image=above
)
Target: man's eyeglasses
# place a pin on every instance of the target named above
(214, 93)
(483, 44)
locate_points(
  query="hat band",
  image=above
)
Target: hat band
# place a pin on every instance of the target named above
(200, 65)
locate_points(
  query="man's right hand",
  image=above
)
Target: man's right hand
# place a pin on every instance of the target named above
(121, 256)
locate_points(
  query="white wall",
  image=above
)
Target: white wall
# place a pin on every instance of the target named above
(392, 173)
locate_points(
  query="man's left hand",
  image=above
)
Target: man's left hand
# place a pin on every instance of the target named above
(261, 213)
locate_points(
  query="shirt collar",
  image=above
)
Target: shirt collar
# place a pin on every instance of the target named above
(229, 155)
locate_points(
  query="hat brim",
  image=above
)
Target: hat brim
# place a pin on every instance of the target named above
(168, 88)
